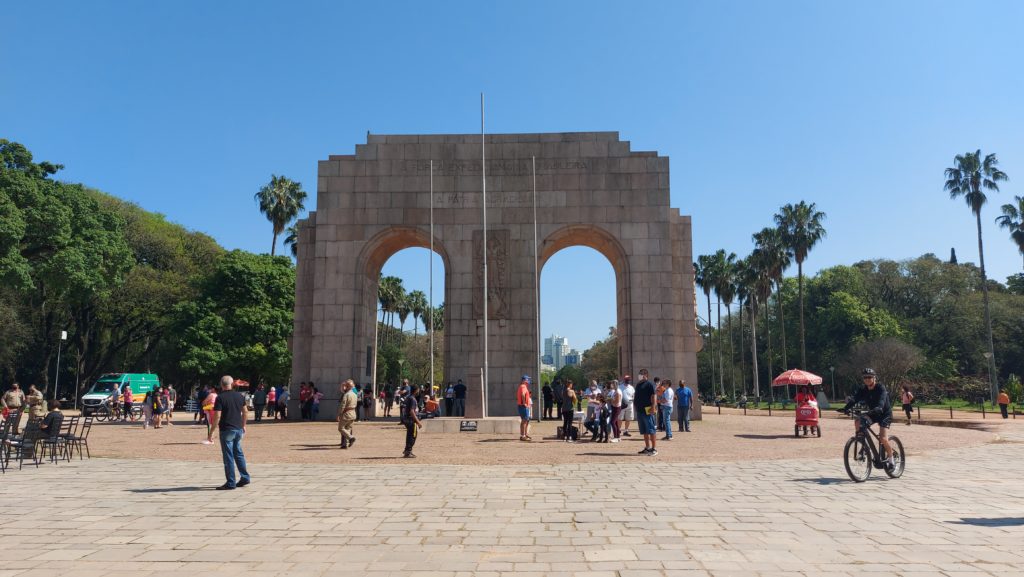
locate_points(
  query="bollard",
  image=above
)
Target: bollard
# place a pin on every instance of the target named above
(919, 413)
(951, 411)
(769, 409)
(983, 409)
(719, 409)
(744, 410)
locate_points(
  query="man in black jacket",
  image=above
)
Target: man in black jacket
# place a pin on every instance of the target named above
(875, 397)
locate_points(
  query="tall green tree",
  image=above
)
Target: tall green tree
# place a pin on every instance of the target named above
(969, 178)
(241, 321)
(727, 293)
(703, 279)
(718, 274)
(774, 256)
(417, 302)
(802, 229)
(281, 201)
(1013, 220)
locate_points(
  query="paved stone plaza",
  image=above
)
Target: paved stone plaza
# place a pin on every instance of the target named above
(956, 512)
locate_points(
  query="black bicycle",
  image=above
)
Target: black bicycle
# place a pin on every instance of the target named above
(862, 452)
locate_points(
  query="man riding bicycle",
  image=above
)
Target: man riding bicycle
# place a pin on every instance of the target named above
(874, 396)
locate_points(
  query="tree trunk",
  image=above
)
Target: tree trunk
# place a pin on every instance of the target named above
(711, 345)
(753, 347)
(273, 246)
(803, 343)
(782, 324)
(743, 355)
(732, 352)
(768, 337)
(993, 377)
(721, 363)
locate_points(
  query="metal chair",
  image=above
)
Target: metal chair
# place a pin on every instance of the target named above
(52, 442)
(81, 438)
(27, 444)
(68, 429)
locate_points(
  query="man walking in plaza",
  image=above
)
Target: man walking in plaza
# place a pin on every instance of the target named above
(230, 414)
(259, 401)
(523, 402)
(646, 405)
(347, 413)
(411, 420)
(685, 399)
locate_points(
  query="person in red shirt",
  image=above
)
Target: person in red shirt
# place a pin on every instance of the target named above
(524, 403)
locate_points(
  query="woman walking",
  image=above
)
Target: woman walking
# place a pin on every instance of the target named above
(208, 403)
(614, 396)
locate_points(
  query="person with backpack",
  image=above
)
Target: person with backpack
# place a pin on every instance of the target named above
(411, 421)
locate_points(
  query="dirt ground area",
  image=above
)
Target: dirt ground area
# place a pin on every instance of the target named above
(715, 439)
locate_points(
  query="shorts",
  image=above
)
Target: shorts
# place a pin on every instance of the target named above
(524, 412)
(908, 408)
(646, 425)
(628, 413)
(885, 421)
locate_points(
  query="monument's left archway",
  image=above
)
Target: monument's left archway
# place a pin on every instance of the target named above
(592, 190)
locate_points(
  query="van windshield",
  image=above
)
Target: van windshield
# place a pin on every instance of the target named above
(104, 387)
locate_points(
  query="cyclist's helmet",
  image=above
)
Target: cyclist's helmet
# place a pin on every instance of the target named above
(869, 372)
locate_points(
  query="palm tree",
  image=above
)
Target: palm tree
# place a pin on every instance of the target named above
(1013, 219)
(970, 177)
(743, 289)
(726, 293)
(437, 318)
(801, 230)
(291, 240)
(390, 293)
(417, 302)
(774, 258)
(281, 201)
(756, 276)
(402, 309)
(701, 276)
(721, 265)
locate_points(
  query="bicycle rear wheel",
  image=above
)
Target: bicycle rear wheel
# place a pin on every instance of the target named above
(102, 414)
(899, 459)
(857, 459)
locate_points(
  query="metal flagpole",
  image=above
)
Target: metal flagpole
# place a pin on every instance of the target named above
(56, 380)
(536, 285)
(483, 175)
(430, 298)
(376, 342)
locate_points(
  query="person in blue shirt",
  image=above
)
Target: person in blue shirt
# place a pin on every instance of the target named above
(684, 398)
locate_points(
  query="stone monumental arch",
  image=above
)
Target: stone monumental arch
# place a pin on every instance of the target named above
(592, 190)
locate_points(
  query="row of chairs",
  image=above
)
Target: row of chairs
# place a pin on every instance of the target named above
(35, 445)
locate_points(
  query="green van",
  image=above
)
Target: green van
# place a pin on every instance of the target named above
(99, 393)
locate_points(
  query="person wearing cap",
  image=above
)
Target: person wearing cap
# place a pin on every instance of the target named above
(684, 397)
(524, 404)
(876, 398)
(628, 411)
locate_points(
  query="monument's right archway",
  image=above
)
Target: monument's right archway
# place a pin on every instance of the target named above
(592, 190)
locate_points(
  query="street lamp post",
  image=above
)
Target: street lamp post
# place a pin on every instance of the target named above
(992, 376)
(56, 379)
(833, 371)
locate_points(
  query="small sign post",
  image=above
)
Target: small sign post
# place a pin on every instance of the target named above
(467, 426)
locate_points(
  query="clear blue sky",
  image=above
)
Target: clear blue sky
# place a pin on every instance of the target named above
(187, 108)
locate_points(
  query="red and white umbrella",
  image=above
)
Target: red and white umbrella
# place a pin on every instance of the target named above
(796, 377)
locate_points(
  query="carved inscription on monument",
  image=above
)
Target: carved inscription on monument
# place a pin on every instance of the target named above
(498, 167)
(497, 273)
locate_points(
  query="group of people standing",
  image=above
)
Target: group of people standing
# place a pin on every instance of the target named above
(612, 408)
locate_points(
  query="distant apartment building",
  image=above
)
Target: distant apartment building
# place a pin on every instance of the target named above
(558, 354)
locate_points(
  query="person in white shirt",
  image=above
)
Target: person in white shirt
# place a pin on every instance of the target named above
(666, 402)
(592, 402)
(628, 413)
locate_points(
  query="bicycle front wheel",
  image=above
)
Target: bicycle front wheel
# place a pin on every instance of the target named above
(857, 458)
(102, 414)
(899, 459)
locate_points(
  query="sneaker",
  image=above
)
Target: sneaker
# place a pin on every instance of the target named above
(408, 455)
(243, 483)
(615, 440)
(207, 442)
(644, 452)
(626, 434)
(352, 441)
(226, 487)
(652, 453)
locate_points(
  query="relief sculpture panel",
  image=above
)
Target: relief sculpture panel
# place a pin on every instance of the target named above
(498, 242)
